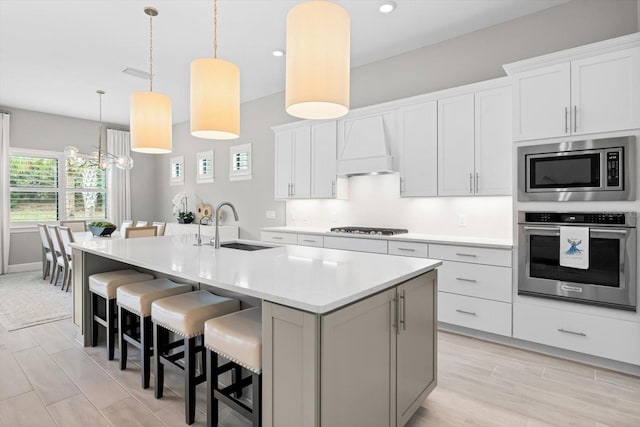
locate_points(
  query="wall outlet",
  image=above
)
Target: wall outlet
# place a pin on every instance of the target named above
(462, 220)
(270, 214)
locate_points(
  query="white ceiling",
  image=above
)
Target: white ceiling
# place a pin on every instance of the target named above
(54, 54)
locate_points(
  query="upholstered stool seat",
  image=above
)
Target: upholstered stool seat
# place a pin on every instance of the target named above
(104, 285)
(134, 316)
(185, 315)
(236, 337)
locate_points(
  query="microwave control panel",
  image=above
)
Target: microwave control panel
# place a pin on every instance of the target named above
(613, 169)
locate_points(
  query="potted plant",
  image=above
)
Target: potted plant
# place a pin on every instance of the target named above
(102, 228)
(185, 217)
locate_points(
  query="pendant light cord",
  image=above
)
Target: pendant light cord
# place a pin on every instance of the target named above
(100, 129)
(215, 28)
(150, 53)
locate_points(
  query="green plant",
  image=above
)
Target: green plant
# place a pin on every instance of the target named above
(185, 215)
(105, 224)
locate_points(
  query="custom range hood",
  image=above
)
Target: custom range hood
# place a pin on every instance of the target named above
(366, 145)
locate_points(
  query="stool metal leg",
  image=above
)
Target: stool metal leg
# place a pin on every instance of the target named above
(236, 376)
(146, 340)
(189, 379)
(256, 389)
(212, 381)
(122, 344)
(94, 324)
(158, 348)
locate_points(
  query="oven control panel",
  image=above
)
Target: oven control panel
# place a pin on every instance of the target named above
(611, 218)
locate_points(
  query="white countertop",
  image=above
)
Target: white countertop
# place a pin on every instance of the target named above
(312, 279)
(407, 237)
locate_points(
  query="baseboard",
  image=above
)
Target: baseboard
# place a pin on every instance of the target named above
(561, 353)
(19, 268)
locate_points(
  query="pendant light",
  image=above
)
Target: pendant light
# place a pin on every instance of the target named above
(101, 159)
(215, 94)
(318, 60)
(150, 120)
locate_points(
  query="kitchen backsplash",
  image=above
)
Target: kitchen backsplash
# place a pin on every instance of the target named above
(375, 201)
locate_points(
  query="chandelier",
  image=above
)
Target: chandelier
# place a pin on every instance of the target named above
(101, 158)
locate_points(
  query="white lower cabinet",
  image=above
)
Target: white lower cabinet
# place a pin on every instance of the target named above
(476, 280)
(595, 335)
(277, 237)
(310, 240)
(356, 244)
(413, 249)
(475, 313)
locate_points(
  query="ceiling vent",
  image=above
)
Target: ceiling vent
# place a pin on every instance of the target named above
(137, 73)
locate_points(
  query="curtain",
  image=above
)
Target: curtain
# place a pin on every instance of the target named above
(118, 180)
(4, 192)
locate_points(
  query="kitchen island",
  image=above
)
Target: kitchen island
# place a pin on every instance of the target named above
(348, 338)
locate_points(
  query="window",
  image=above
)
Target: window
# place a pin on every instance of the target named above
(240, 168)
(45, 186)
(205, 167)
(176, 165)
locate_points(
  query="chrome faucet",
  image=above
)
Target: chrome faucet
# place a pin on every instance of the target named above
(216, 244)
(198, 237)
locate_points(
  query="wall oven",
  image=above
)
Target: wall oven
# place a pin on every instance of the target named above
(609, 278)
(578, 170)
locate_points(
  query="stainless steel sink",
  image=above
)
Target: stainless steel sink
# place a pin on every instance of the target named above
(244, 246)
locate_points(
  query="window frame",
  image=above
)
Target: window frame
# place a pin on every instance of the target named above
(61, 190)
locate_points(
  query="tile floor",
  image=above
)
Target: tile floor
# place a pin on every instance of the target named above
(47, 378)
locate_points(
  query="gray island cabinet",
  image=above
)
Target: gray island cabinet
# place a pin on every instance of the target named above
(349, 338)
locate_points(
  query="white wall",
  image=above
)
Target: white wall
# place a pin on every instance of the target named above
(375, 201)
(51, 132)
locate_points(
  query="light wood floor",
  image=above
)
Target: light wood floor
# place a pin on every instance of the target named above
(47, 378)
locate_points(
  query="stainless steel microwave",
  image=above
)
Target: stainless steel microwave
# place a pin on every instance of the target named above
(595, 169)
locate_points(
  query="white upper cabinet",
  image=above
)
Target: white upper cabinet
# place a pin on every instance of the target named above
(456, 145)
(542, 103)
(324, 160)
(419, 150)
(293, 163)
(493, 142)
(585, 90)
(605, 92)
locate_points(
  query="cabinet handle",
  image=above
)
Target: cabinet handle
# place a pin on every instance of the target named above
(308, 241)
(566, 119)
(333, 188)
(462, 279)
(395, 313)
(404, 310)
(406, 249)
(401, 185)
(471, 183)
(276, 238)
(466, 312)
(469, 255)
(575, 118)
(289, 190)
(477, 185)
(293, 189)
(564, 331)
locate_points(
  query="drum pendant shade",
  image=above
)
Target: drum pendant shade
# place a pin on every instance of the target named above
(150, 123)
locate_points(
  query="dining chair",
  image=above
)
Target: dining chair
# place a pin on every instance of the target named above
(142, 223)
(66, 238)
(58, 263)
(140, 232)
(161, 227)
(48, 259)
(75, 225)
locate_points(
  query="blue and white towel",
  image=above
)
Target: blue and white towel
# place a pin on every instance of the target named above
(574, 247)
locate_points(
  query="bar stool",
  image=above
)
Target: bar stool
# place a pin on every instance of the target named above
(184, 315)
(104, 285)
(236, 337)
(134, 313)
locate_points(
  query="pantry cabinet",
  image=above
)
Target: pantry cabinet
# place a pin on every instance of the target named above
(293, 164)
(578, 92)
(474, 143)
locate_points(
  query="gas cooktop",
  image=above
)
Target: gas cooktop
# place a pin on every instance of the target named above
(369, 230)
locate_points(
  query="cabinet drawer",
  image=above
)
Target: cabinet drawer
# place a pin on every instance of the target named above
(476, 280)
(501, 257)
(356, 244)
(408, 249)
(599, 336)
(310, 240)
(475, 313)
(275, 237)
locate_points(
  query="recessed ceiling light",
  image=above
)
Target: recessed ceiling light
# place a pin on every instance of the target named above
(387, 7)
(278, 53)
(137, 73)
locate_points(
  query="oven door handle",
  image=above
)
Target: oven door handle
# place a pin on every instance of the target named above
(529, 227)
(607, 231)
